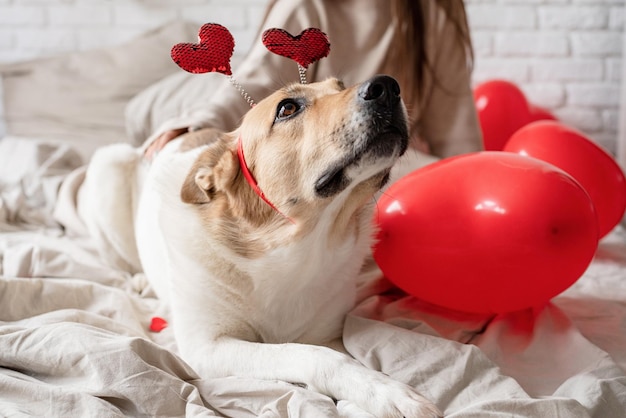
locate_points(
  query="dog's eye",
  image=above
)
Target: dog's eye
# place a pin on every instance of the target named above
(287, 108)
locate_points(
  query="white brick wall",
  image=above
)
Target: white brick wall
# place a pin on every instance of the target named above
(565, 54)
(31, 28)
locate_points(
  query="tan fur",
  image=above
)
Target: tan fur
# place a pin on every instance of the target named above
(215, 178)
(288, 156)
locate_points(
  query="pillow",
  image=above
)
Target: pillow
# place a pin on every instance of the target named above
(80, 97)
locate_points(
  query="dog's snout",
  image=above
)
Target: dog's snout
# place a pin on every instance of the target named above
(381, 90)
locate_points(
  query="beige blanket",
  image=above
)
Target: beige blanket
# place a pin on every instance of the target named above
(75, 339)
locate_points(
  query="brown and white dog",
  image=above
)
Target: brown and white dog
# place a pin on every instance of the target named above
(259, 281)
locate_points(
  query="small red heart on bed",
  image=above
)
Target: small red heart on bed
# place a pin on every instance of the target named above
(211, 54)
(306, 48)
(158, 324)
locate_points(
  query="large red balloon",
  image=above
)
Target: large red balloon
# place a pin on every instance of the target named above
(593, 167)
(485, 232)
(503, 109)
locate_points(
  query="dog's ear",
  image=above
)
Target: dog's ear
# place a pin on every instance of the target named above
(198, 186)
(214, 171)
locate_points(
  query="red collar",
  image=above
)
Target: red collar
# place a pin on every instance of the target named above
(252, 181)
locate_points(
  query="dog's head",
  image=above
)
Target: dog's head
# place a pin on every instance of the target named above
(312, 148)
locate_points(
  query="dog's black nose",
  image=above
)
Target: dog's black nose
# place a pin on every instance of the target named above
(381, 90)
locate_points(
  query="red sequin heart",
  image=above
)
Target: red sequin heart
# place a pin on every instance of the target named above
(311, 45)
(211, 54)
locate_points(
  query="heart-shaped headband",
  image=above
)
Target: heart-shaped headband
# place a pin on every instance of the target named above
(216, 44)
(214, 49)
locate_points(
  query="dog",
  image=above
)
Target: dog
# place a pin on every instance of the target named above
(255, 238)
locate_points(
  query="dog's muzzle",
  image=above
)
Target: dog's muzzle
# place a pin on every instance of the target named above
(380, 96)
(381, 131)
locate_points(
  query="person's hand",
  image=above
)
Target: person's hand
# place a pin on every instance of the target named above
(158, 144)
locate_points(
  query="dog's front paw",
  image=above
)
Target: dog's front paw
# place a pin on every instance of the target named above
(376, 393)
(391, 399)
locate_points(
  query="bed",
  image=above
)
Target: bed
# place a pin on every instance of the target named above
(75, 335)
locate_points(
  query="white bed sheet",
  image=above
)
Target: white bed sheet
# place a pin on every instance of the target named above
(75, 339)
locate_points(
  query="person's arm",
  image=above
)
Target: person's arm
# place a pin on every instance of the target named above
(448, 121)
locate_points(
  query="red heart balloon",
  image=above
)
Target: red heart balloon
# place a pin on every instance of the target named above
(488, 232)
(592, 166)
(211, 54)
(306, 48)
(502, 109)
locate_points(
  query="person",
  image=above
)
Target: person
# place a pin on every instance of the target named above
(424, 44)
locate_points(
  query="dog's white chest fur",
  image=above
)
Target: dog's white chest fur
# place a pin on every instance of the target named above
(297, 292)
(305, 298)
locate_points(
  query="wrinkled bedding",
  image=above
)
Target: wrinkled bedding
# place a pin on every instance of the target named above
(75, 338)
